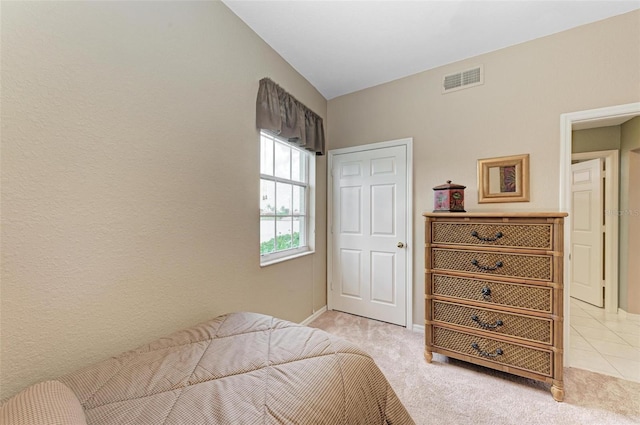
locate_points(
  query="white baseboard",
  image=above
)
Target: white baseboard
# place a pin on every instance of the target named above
(314, 316)
(417, 328)
(626, 315)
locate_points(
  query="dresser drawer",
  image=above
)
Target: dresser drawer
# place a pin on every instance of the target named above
(527, 358)
(536, 236)
(525, 327)
(537, 267)
(537, 298)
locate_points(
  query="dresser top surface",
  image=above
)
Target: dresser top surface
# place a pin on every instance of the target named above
(501, 214)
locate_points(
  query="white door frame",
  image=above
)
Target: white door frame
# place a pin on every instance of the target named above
(567, 121)
(409, 243)
(611, 178)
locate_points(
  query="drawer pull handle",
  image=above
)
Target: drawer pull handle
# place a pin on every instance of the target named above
(486, 292)
(487, 239)
(486, 325)
(489, 268)
(476, 347)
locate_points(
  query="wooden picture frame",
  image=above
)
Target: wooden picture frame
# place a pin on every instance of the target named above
(503, 179)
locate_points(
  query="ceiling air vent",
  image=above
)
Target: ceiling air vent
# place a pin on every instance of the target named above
(463, 79)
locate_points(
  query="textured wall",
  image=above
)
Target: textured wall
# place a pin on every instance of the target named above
(130, 182)
(516, 111)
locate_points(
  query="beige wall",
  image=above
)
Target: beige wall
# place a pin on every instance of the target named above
(130, 183)
(630, 216)
(633, 245)
(596, 139)
(516, 111)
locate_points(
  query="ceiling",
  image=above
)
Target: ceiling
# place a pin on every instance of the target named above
(342, 46)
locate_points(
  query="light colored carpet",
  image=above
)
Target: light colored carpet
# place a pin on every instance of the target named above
(449, 391)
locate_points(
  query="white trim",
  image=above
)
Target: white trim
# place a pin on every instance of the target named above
(418, 328)
(566, 124)
(409, 218)
(624, 315)
(612, 177)
(408, 142)
(314, 316)
(286, 257)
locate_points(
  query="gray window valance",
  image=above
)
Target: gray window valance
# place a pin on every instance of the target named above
(281, 113)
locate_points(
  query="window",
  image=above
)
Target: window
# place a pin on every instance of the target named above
(286, 200)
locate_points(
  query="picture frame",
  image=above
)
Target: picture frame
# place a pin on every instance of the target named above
(503, 179)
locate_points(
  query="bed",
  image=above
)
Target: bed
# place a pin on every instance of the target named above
(239, 368)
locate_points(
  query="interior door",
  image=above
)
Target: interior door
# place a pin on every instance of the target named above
(369, 234)
(587, 233)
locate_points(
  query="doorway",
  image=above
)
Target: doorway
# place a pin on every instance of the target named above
(369, 229)
(607, 268)
(585, 119)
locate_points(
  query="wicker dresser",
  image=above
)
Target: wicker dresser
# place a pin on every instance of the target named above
(493, 291)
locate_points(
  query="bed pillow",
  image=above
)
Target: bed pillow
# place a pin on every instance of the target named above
(45, 403)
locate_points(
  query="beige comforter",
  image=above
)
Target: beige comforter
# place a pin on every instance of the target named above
(240, 368)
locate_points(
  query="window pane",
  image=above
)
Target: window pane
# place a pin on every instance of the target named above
(283, 240)
(282, 168)
(266, 155)
(283, 161)
(298, 230)
(267, 197)
(298, 163)
(267, 235)
(299, 200)
(283, 197)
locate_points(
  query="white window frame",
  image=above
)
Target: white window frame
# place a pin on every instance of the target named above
(310, 204)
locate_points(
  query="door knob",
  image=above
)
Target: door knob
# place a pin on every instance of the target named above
(400, 245)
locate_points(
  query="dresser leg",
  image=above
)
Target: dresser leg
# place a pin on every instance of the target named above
(428, 356)
(557, 392)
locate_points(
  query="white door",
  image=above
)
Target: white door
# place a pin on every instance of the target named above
(587, 209)
(369, 234)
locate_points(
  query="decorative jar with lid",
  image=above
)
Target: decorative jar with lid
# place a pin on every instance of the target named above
(448, 198)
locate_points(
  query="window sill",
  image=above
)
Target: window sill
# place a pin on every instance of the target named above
(288, 257)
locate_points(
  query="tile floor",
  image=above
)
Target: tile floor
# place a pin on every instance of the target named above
(604, 342)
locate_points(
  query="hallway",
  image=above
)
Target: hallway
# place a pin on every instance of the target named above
(603, 342)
